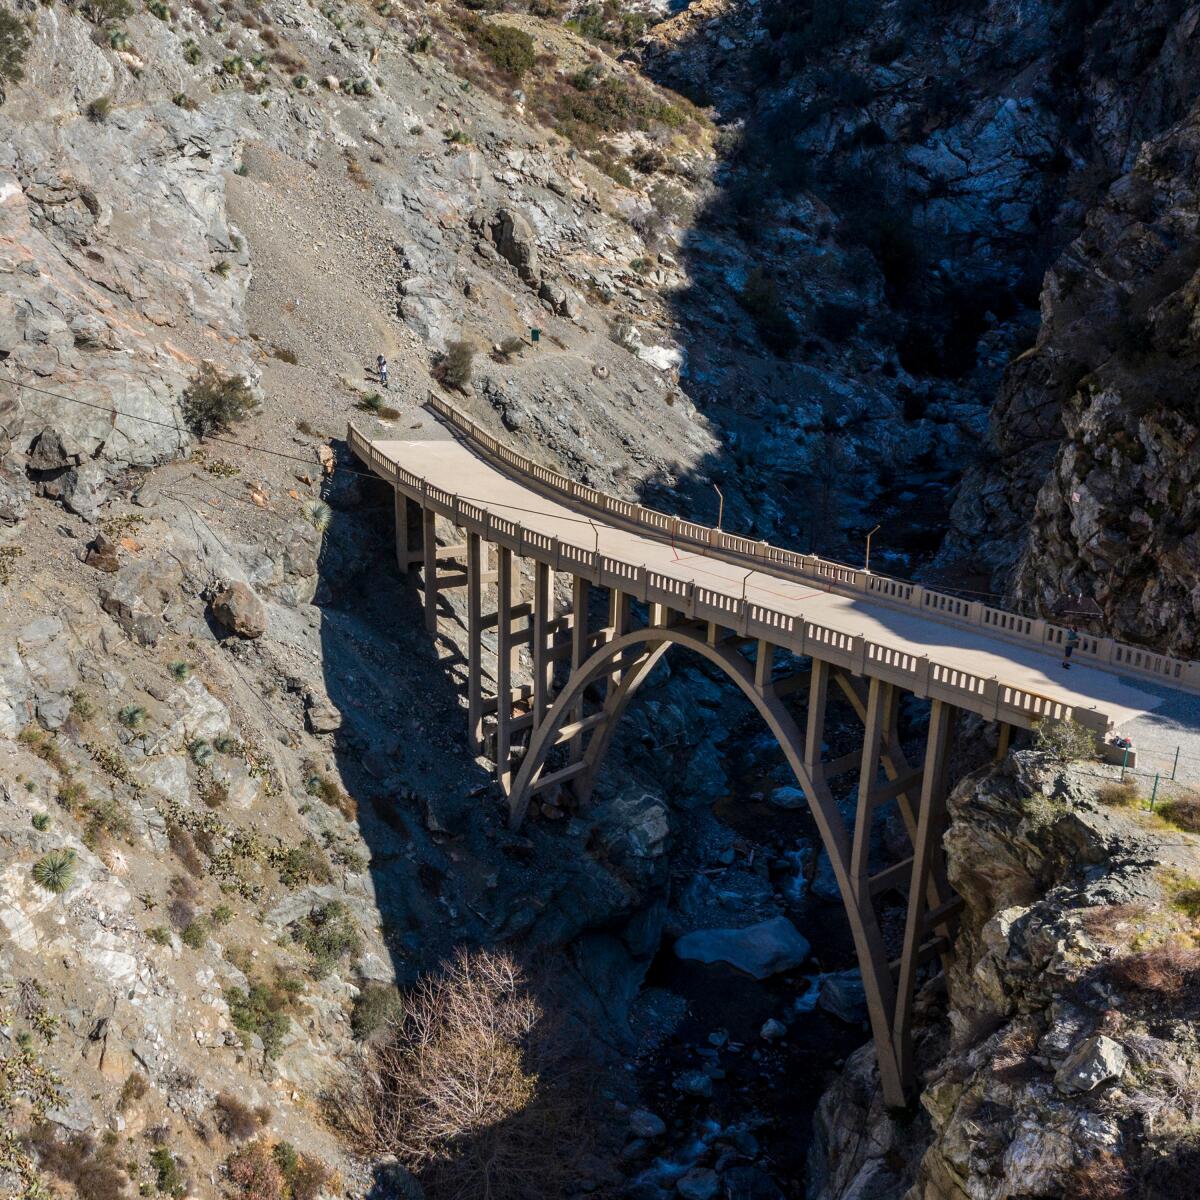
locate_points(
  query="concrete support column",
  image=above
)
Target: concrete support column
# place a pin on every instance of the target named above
(506, 661)
(580, 592)
(931, 819)
(543, 664)
(873, 741)
(429, 548)
(475, 643)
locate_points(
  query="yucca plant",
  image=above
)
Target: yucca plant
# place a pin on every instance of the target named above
(225, 744)
(192, 53)
(41, 822)
(201, 752)
(181, 671)
(132, 716)
(318, 514)
(55, 871)
(300, 82)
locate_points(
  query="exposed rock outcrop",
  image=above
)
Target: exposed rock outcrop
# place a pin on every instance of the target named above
(1069, 1038)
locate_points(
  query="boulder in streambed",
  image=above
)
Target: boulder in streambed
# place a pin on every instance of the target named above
(760, 950)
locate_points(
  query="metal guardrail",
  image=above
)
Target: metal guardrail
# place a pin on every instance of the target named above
(915, 673)
(998, 622)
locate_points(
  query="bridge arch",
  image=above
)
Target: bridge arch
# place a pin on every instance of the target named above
(802, 756)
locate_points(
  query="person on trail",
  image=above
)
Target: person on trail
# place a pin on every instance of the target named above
(1069, 647)
(381, 370)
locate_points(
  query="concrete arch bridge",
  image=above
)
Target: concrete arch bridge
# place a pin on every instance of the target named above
(740, 604)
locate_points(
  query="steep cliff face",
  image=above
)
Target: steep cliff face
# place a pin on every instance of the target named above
(1093, 489)
(1070, 1064)
(904, 174)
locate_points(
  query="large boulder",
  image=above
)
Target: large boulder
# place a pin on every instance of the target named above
(760, 950)
(14, 491)
(138, 595)
(516, 242)
(236, 608)
(85, 489)
(1095, 1061)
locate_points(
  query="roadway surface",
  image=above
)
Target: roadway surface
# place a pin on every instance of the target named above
(433, 453)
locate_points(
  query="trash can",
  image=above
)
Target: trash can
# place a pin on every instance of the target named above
(535, 335)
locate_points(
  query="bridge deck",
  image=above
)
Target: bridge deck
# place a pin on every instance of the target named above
(442, 460)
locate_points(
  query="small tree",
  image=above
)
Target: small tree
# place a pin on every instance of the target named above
(14, 42)
(453, 368)
(471, 1087)
(1066, 741)
(214, 404)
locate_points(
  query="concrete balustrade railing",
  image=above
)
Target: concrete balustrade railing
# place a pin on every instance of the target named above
(837, 577)
(802, 637)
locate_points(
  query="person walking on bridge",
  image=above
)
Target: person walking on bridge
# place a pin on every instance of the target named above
(1069, 645)
(381, 369)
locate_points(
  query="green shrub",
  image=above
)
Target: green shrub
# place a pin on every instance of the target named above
(192, 54)
(132, 716)
(214, 404)
(300, 82)
(509, 50)
(156, 8)
(41, 822)
(168, 1177)
(195, 933)
(318, 514)
(181, 671)
(261, 1010)
(99, 109)
(329, 934)
(1066, 741)
(55, 871)
(101, 12)
(201, 752)
(420, 44)
(160, 935)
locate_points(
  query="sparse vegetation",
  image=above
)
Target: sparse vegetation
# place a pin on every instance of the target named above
(453, 369)
(376, 1007)
(305, 863)
(1123, 794)
(215, 404)
(1182, 811)
(318, 783)
(329, 933)
(55, 871)
(373, 403)
(201, 752)
(41, 822)
(89, 1167)
(473, 1087)
(509, 50)
(1165, 971)
(168, 1177)
(132, 716)
(101, 12)
(318, 514)
(98, 110)
(236, 1120)
(262, 1010)
(1065, 741)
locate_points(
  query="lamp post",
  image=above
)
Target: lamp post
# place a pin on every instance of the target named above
(867, 561)
(720, 506)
